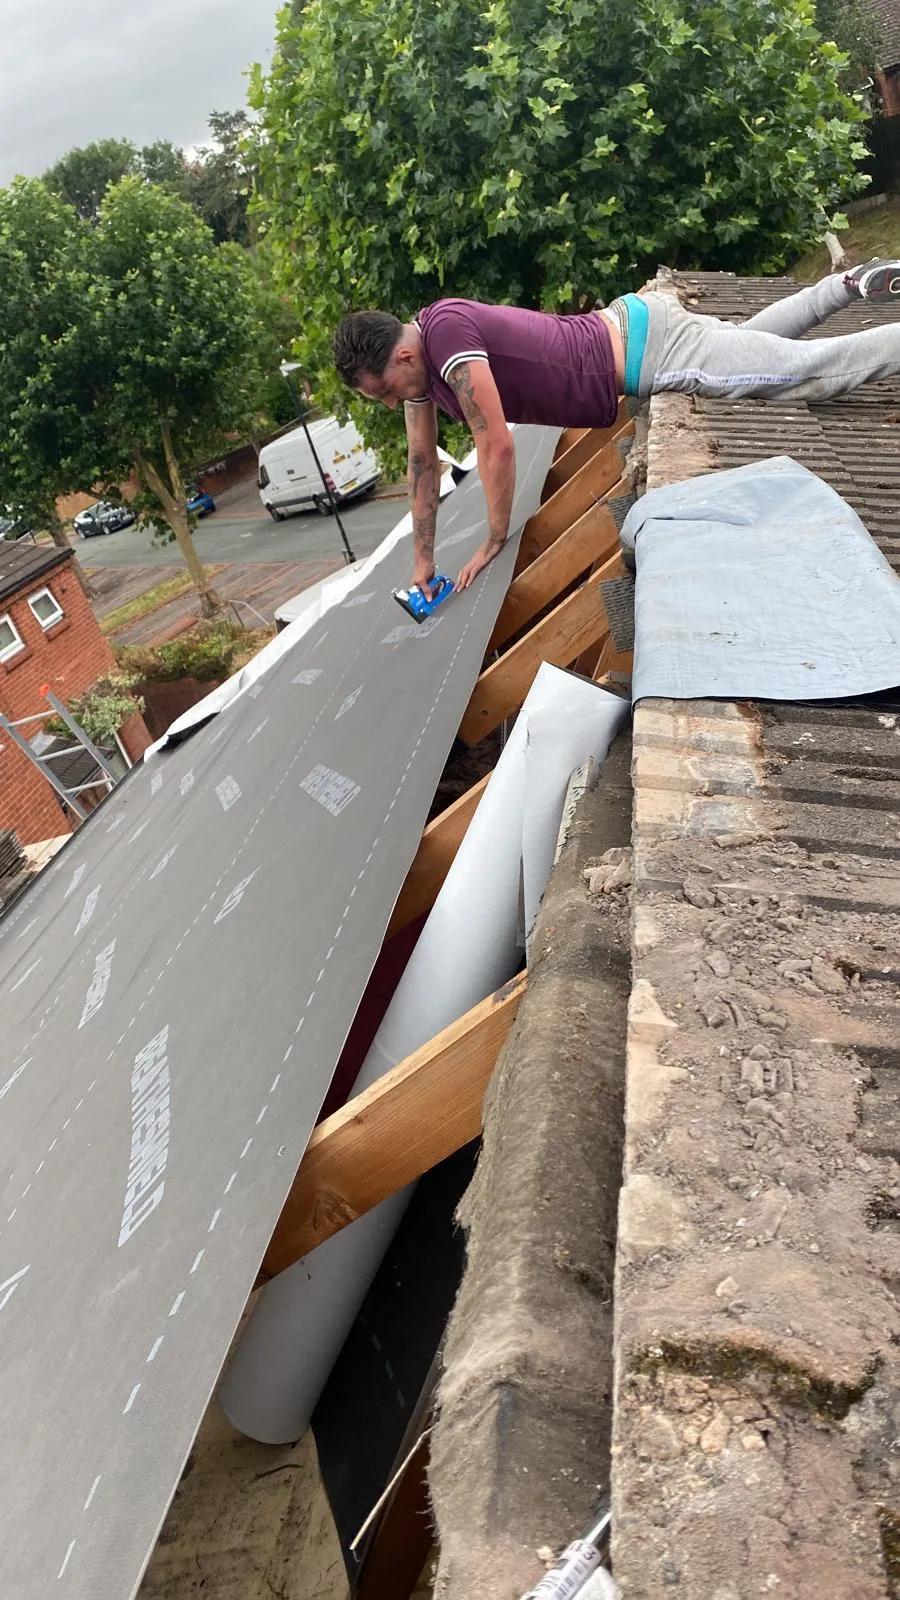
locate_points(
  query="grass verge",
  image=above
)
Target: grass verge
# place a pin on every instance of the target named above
(874, 233)
(142, 605)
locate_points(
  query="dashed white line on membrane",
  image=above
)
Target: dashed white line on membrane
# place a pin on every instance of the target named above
(131, 1399)
(286, 1056)
(277, 1078)
(244, 1151)
(177, 1303)
(94, 1486)
(215, 1217)
(155, 1347)
(229, 1184)
(66, 1558)
(197, 1260)
(262, 1113)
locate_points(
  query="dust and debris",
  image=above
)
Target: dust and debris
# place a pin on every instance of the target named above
(758, 1322)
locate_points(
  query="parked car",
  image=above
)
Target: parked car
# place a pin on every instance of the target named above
(288, 478)
(102, 517)
(13, 525)
(199, 501)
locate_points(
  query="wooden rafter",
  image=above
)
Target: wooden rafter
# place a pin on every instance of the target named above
(577, 445)
(559, 638)
(592, 538)
(434, 857)
(417, 1114)
(540, 531)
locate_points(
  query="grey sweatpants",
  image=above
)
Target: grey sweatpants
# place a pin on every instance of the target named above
(764, 357)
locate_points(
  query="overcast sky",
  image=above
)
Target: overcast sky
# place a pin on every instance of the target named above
(76, 70)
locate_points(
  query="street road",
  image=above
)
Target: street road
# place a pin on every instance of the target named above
(236, 533)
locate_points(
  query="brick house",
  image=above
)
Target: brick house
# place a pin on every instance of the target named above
(48, 635)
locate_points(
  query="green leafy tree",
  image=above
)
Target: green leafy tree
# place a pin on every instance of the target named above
(217, 181)
(165, 164)
(127, 344)
(82, 176)
(543, 152)
(852, 26)
(222, 178)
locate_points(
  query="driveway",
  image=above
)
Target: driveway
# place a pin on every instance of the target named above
(239, 530)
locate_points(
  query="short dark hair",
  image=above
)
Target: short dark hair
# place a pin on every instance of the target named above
(365, 342)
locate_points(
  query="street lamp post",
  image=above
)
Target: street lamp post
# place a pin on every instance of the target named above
(287, 369)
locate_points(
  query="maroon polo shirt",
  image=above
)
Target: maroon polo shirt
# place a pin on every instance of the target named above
(559, 371)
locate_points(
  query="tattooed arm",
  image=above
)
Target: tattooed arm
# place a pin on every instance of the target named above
(423, 478)
(474, 386)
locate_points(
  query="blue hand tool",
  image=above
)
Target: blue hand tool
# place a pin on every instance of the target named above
(414, 602)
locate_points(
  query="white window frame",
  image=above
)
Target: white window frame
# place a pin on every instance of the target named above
(8, 651)
(51, 621)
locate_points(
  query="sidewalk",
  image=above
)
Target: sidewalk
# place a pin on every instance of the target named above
(264, 587)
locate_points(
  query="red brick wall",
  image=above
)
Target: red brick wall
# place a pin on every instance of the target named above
(69, 658)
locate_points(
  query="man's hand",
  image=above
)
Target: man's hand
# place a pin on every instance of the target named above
(423, 577)
(481, 559)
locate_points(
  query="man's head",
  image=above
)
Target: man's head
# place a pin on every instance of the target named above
(381, 357)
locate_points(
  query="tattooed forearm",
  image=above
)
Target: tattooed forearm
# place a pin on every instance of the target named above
(460, 381)
(422, 477)
(423, 539)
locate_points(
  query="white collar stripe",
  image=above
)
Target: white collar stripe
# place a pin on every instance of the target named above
(463, 355)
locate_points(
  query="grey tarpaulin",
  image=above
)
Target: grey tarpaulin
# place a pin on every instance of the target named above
(762, 583)
(176, 988)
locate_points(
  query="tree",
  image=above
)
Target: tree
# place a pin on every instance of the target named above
(82, 176)
(217, 181)
(223, 176)
(125, 345)
(852, 26)
(165, 164)
(543, 152)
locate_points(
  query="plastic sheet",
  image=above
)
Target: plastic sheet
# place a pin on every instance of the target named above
(759, 583)
(470, 945)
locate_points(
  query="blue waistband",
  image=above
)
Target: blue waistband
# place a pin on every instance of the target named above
(636, 342)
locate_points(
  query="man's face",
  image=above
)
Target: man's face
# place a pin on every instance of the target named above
(404, 378)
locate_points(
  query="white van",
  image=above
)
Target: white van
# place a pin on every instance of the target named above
(288, 478)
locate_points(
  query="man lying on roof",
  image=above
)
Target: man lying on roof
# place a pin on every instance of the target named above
(488, 365)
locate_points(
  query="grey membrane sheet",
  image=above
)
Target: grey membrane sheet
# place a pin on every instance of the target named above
(175, 990)
(762, 583)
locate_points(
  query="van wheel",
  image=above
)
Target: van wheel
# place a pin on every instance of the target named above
(323, 506)
(275, 514)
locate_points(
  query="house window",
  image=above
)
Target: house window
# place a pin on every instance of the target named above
(46, 607)
(10, 639)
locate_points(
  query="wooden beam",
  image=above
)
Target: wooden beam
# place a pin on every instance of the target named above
(559, 638)
(567, 438)
(611, 660)
(568, 504)
(593, 480)
(594, 537)
(434, 857)
(580, 445)
(588, 662)
(417, 1114)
